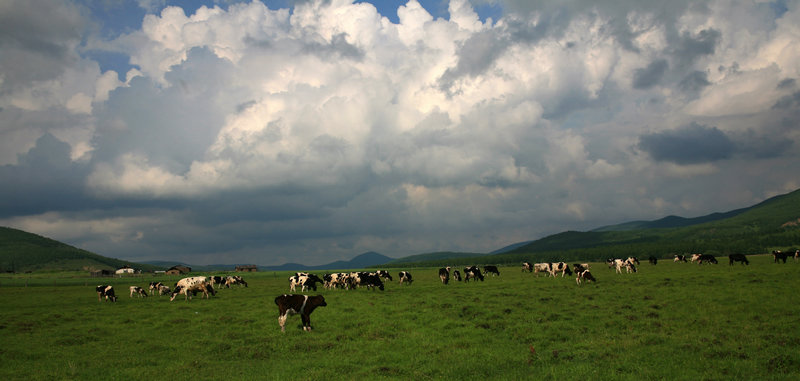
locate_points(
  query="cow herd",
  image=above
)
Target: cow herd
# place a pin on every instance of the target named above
(187, 286)
(290, 304)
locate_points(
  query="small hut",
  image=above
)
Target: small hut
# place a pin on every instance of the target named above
(178, 270)
(247, 268)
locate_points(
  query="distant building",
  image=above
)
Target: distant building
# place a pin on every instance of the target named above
(125, 270)
(178, 270)
(247, 268)
(101, 273)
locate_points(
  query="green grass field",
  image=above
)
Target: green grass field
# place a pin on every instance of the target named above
(671, 321)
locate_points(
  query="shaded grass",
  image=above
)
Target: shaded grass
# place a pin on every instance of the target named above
(675, 321)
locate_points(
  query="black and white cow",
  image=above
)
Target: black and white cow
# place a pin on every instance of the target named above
(584, 276)
(457, 275)
(298, 304)
(707, 258)
(154, 287)
(633, 260)
(653, 260)
(527, 266)
(305, 281)
(138, 291)
(559, 267)
(370, 281)
(679, 258)
(444, 275)
(232, 280)
(472, 272)
(738, 258)
(778, 255)
(163, 290)
(579, 267)
(541, 268)
(107, 292)
(491, 269)
(384, 274)
(193, 285)
(405, 277)
(696, 257)
(217, 281)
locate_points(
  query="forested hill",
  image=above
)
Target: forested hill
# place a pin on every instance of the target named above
(771, 224)
(21, 251)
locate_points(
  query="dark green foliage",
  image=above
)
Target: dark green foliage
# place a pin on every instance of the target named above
(21, 252)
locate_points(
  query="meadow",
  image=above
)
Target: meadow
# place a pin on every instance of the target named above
(676, 321)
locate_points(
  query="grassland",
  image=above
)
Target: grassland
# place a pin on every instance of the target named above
(671, 321)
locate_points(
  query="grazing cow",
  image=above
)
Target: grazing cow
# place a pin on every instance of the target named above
(193, 285)
(561, 267)
(491, 269)
(154, 286)
(298, 304)
(231, 280)
(628, 264)
(107, 292)
(305, 282)
(370, 281)
(541, 268)
(457, 275)
(384, 274)
(472, 272)
(139, 291)
(578, 267)
(633, 260)
(779, 255)
(527, 266)
(706, 258)
(342, 280)
(405, 277)
(679, 258)
(653, 260)
(163, 290)
(444, 275)
(696, 257)
(738, 258)
(217, 281)
(584, 275)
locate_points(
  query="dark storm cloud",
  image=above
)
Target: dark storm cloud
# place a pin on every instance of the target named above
(36, 40)
(787, 102)
(787, 83)
(651, 75)
(692, 47)
(45, 179)
(692, 144)
(694, 83)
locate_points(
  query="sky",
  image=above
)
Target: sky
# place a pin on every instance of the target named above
(312, 131)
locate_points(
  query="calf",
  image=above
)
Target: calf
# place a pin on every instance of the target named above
(163, 290)
(405, 277)
(584, 275)
(154, 286)
(107, 292)
(444, 275)
(578, 267)
(491, 269)
(139, 291)
(738, 258)
(457, 275)
(298, 304)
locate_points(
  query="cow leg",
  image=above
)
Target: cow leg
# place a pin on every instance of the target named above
(306, 322)
(282, 321)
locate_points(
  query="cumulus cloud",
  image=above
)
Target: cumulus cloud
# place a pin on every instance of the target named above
(247, 132)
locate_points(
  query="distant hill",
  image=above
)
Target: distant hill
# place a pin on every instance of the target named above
(365, 260)
(771, 224)
(21, 251)
(432, 259)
